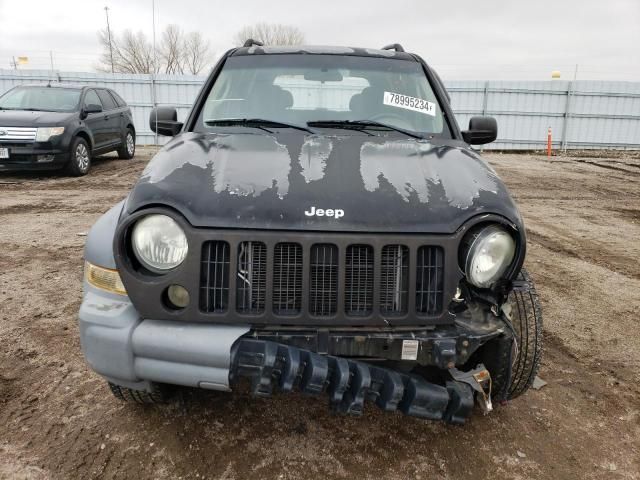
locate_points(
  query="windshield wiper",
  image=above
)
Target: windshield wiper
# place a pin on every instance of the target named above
(361, 125)
(255, 122)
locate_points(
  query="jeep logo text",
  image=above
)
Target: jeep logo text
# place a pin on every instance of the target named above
(329, 212)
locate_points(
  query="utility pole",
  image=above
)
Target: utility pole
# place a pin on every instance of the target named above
(153, 70)
(51, 57)
(14, 63)
(106, 11)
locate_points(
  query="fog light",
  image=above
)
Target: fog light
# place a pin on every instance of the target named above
(45, 158)
(178, 296)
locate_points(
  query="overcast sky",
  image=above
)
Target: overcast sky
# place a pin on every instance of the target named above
(462, 39)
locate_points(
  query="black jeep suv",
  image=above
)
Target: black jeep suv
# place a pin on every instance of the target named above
(49, 127)
(318, 223)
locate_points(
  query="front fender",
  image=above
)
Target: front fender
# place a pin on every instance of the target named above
(83, 129)
(98, 248)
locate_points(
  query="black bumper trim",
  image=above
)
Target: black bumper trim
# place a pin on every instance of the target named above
(348, 383)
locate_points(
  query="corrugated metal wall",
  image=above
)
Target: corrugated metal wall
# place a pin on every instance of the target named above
(582, 114)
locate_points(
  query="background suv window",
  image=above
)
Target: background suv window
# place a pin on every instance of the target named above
(107, 100)
(118, 99)
(91, 98)
(41, 98)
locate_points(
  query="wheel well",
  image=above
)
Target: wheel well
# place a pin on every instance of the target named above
(86, 138)
(130, 125)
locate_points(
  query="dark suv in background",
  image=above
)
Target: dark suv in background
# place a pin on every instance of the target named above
(49, 127)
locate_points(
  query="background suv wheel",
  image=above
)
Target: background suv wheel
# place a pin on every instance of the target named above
(80, 161)
(128, 148)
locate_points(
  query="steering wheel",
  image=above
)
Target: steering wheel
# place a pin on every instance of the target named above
(393, 119)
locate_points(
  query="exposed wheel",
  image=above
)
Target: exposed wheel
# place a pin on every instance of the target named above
(128, 148)
(523, 355)
(80, 161)
(526, 318)
(159, 394)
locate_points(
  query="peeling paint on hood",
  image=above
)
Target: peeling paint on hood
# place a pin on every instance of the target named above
(383, 183)
(412, 175)
(262, 163)
(313, 157)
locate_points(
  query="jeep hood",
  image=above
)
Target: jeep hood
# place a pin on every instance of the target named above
(268, 181)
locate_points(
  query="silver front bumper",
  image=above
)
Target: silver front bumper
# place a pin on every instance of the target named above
(132, 351)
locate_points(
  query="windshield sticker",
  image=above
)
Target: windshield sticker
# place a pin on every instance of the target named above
(409, 103)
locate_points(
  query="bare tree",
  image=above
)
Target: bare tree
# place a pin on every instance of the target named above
(196, 53)
(270, 34)
(133, 52)
(171, 49)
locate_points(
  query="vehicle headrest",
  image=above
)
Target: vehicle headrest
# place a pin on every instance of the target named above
(369, 95)
(281, 97)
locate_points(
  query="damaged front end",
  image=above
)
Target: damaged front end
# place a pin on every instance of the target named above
(434, 373)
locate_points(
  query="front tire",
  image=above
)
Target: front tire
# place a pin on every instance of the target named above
(526, 318)
(80, 161)
(514, 365)
(159, 394)
(128, 148)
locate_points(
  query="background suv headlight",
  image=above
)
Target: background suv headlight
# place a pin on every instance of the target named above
(45, 133)
(487, 254)
(159, 243)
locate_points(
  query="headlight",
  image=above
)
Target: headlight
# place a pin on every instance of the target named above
(489, 253)
(159, 243)
(44, 134)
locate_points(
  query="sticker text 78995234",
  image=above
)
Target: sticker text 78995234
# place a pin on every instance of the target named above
(409, 103)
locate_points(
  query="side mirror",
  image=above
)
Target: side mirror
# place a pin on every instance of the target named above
(164, 121)
(481, 130)
(91, 108)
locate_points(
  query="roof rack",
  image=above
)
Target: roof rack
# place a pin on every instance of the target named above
(394, 46)
(251, 42)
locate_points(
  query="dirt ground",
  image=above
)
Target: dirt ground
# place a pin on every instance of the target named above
(58, 419)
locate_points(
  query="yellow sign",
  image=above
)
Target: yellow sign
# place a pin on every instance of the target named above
(23, 60)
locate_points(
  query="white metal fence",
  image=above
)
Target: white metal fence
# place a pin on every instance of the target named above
(581, 114)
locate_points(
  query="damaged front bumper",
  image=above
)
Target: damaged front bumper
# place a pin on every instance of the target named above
(348, 383)
(351, 366)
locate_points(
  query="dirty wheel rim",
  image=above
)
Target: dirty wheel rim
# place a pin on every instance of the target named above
(130, 144)
(82, 157)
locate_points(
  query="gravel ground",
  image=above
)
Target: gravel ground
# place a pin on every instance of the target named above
(58, 419)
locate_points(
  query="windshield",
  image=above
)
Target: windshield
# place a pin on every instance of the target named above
(47, 99)
(297, 89)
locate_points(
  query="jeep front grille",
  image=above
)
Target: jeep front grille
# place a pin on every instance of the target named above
(287, 279)
(429, 280)
(334, 282)
(358, 288)
(214, 277)
(323, 282)
(252, 277)
(394, 280)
